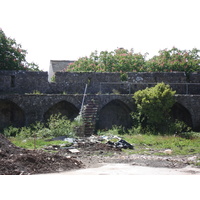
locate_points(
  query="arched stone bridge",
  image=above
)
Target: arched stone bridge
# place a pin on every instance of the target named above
(20, 110)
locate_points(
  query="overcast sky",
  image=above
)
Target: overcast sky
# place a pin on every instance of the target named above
(69, 29)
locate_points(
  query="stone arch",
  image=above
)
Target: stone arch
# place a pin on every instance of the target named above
(116, 113)
(64, 108)
(11, 114)
(181, 113)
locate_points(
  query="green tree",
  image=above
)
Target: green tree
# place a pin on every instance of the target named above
(12, 56)
(119, 60)
(175, 60)
(153, 107)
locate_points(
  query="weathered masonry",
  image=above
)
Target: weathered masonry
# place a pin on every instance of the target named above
(26, 97)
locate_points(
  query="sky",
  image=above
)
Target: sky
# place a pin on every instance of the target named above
(70, 29)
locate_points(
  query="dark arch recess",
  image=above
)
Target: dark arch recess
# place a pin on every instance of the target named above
(64, 108)
(11, 114)
(181, 113)
(114, 113)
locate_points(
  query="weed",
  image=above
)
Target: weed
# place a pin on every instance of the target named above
(115, 91)
(37, 92)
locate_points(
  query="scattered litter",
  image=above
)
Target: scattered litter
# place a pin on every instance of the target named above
(121, 144)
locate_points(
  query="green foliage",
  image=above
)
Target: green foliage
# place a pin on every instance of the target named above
(119, 60)
(53, 79)
(12, 56)
(153, 108)
(175, 60)
(122, 60)
(57, 125)
(11, 131)
(60, 126)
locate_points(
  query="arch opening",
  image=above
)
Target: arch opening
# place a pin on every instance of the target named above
(114, 113)
(181, 113)
(64, 108)
(11, 114)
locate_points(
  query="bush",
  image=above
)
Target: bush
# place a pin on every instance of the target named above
(60, 126)
(153, 108)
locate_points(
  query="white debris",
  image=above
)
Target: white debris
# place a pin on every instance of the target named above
(168, 151)
(73, 150)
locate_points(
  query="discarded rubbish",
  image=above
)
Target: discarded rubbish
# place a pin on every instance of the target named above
(124, 144)
(111, 140)
(121, 144)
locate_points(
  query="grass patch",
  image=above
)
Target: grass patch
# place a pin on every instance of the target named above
(39, 143)
(152, 144)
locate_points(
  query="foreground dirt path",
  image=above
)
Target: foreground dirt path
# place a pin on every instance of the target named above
(128, 169)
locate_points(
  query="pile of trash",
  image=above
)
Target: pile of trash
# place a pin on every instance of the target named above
(111, 141)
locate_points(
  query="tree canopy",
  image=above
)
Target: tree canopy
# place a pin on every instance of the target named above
(123, 60)
(12, 56)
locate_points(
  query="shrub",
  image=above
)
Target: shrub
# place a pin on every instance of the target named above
(153, 108)
(60, 126)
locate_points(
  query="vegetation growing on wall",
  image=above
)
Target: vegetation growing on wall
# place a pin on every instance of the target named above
(12, 56)
(122, 60)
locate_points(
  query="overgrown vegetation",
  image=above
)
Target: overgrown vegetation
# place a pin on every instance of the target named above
(57, 125)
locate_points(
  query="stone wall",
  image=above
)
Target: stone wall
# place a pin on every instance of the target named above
(22, 82)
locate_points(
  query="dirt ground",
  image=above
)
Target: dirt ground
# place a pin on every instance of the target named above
(18, 161)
